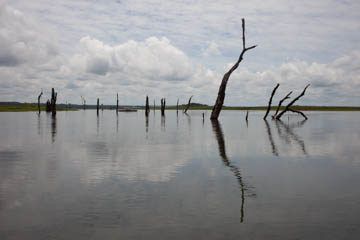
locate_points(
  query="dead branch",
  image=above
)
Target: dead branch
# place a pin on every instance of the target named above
(188, 105)
(270, 100)
(299, 112)
(39, 100)
(292, 102)
(280, 102)
(221, 94)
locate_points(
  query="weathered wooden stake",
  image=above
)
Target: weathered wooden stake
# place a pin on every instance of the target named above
(39, 100)
(221, 94)
(271, 97)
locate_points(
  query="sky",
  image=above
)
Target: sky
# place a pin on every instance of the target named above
(179, 48)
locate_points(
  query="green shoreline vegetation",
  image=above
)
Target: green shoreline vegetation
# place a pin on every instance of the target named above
(29, 107)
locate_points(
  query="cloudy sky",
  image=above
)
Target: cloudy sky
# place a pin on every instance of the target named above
(176, 49)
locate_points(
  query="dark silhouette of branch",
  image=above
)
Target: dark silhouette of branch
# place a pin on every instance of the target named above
(39, 100)
(272, 143)
(270, 100)
(221, 94)
(188, 105)
(292, 102)
(299, 112)
(280, 102)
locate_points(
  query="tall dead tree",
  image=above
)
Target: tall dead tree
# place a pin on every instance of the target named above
(97, 107)
(280, 102)
(270, 100)
(221, 94)
(292, 102)
(39, 100)
(147, 107)
(53, 101)
(188, 105)
(163, 107)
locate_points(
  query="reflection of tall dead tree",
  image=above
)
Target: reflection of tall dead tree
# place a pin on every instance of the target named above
(163, 106)
(147, 107)
(188, 105)
(272, 143)
(292, 102)
(221, 94)
(39, 100)
(234, 169)
(270, 100)
(280, 102)
(154, 106)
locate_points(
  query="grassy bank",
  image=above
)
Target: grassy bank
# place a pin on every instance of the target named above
(27, 107)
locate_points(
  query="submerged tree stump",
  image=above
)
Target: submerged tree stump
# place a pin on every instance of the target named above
(163, 102)
(221, 94)
(97, 107)
(117, 103)
(147, 107)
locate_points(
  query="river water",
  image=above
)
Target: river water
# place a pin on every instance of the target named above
(83, 176)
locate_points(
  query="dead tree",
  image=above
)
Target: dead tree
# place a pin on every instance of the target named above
(147, 107)
(280, 102)
(39, 100)
(177, 107)
(270, 100)
(221, 94)
(117, 103)
(97, 107)
(188, 105)
(292, 102)
(247, 115)
(83, 102)
(53, 101)
(163, 107)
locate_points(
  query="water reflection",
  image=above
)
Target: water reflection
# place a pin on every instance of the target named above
(53, 128)
(289, 133)
(163, 123)
(234, 169)
(271, 140)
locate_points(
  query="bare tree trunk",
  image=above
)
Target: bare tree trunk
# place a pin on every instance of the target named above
(221, 94)
(188, 105)
(97, 107)
(270, 100)
(247, 115)
(147, 107)
(163, 107)
(39, 100)
(117, 103)
(177, 107)
(280, 102)
(53, 101)
(292, 102)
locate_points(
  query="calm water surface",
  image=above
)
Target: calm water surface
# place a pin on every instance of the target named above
(79, 176)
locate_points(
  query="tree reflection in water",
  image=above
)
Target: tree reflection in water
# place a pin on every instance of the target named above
(234, 169)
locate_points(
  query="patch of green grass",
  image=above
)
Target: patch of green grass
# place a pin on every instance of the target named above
(27, 107)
